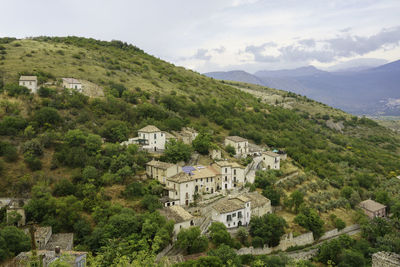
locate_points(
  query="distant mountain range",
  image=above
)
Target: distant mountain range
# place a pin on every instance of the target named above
(358, 90)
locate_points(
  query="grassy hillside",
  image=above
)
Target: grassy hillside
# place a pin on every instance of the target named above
(61, 148)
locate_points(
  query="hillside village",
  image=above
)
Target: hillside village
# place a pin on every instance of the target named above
(241, 179)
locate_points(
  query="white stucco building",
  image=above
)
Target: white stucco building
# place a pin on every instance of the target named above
(240, 144)
(193, 180)
(271, 160)
(182, 219)
(232, 212)
(232, 174)
(161, 170)
(29, 82)
(72, 83)
(154, 138)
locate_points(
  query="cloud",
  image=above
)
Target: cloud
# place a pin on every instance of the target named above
(260, 54)
(327, 50)
(220, 50)
(201, 54)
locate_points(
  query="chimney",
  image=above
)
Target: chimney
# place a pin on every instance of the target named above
(57, 250)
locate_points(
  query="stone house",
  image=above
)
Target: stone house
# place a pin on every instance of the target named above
(29, 82)
(186, 135)
(74, 258)
(240, 144)
(72, 83)
(260, 205)
(232, 174)
(15, 208)
(182, 219)
(161, 170)
(42, 236)
(232, 212)
(271, 160)
(193, 180)
(373, 209)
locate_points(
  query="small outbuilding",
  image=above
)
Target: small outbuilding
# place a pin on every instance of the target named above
(180, 216)
(72, 83)
(373, 209)
(29, 82)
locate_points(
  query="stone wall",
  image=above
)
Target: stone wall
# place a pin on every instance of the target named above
(336, 232)
(385, 259)
(286, 242)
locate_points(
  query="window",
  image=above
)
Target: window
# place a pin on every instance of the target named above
(234, 172)
(196, 180)
(233, 215)
(207, 180)
(240, 214)
(155, 136)
(207, 189)
(201, 180)
(228, 218)
(161, 134)
(226, 170)
(226, 178)
(186, 185)
(211, 180)
(248, 204)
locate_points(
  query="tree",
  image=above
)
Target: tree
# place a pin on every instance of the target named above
(296, 199)
(243, 235)
(231, 150)
(309, 219)
(151, 202)
(272, 194)
(191, 240)
(176, 151)
(219, 234)
(115, 131)
(227, 255)
(270, 227)
(375, 228)
(47, 116)
(12, 125)
(350, 258)
(13, 241)
(202, 143)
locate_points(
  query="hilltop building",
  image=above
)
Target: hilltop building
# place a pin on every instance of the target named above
(181, 217)
(240, 144)
(271, 160)
(150, 138)
(183, 186)
(232, 174)
(186, 135)
(232, 212)
(161, 170)
(29, 82)
(373, 209)
(72, 83)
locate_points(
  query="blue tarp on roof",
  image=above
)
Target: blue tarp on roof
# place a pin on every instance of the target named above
(188, 169)
(275, 150)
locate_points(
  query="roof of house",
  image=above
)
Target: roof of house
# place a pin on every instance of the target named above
(149, 129)
(229, 205)
(271, 154)
(236, 138)
(71, 80)
(257, 200)
(169, 136)
(371, 205)
(160, 164)
(204, 172)
(225, 163)
(180, 177)
(28, 78)
(188, 169)
(42, 231)
(63, 240)
(176, 213)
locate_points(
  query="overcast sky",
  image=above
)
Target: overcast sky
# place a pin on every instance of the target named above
(210, 35)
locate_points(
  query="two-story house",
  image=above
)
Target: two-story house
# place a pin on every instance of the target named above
(232, 212)
(240, 144)
(161, 170)
(232, 174)
(271, 160)
(152, 137)
(29, 82)
(72, 83)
